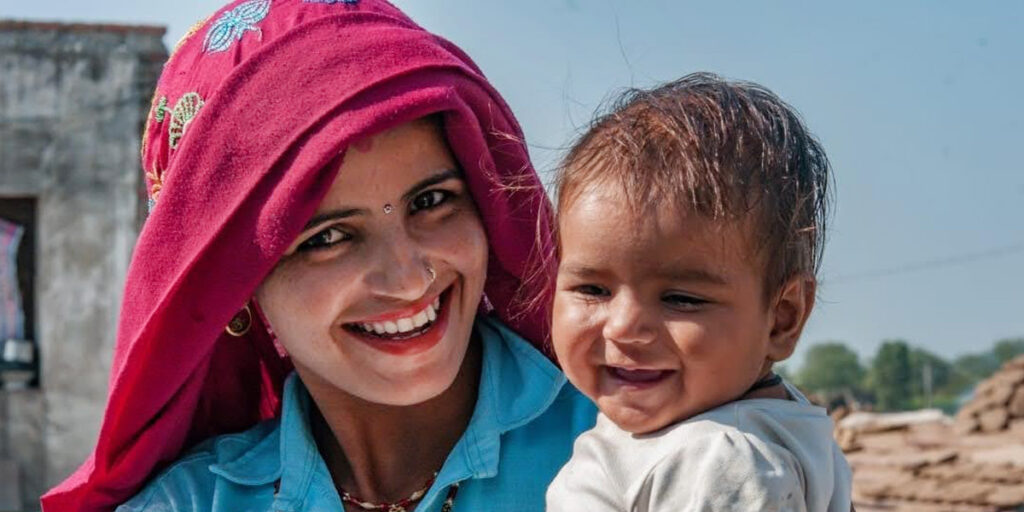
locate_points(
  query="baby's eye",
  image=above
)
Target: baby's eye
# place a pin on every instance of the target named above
(683, 301)
(429, 199)
(324, 239)
(590, 290)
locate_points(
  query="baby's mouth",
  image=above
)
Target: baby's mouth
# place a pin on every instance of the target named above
(402, 328)
(637, 375)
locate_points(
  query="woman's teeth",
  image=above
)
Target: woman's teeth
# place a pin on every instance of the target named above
(404, 325)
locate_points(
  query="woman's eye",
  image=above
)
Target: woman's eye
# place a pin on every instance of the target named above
(683, 301)
(429, 199)
(324, 239)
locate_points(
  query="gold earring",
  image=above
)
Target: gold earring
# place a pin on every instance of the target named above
(240, 323)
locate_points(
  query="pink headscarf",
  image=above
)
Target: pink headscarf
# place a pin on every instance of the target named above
(250, 119)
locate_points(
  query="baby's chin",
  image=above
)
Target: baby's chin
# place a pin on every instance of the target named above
(637, 420)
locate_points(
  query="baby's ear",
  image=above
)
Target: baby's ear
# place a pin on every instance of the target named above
(790, 310)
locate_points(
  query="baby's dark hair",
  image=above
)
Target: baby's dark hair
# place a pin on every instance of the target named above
(726, 150)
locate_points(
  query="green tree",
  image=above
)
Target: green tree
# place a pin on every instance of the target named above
(831, 368)
(930, 375)
(1007, 349)
(977, 366)
(948, 382)
(891, 376)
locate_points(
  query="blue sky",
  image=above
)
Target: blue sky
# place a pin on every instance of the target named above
(918, 103)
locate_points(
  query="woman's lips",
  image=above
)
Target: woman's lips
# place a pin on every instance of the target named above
(408, 335)
(406, 312)
(396, 327)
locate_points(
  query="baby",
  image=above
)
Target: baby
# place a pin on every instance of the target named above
(691, 225)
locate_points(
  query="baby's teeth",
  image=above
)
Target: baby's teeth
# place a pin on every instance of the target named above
(431, 314)
(404, 325)
(420, 319)
(390, 327)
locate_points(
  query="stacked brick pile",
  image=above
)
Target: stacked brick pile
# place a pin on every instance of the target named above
(998, 402)
(924, 461)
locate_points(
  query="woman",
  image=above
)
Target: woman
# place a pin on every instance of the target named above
(336, 190)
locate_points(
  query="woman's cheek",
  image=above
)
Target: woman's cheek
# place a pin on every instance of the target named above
(461, 239)
(310, 292)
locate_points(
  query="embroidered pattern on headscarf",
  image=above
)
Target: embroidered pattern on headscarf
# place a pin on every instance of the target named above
(184, 111)
(346, 2)
(160, 109)
(157, 106)
(156, 183)
(233, 24)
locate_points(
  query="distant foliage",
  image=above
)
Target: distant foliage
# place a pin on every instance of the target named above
(977, 366)
(831, 368)
(1007, 349)
(900, 376)
(890, 376)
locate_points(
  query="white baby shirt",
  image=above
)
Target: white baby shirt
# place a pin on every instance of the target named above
(748, 455)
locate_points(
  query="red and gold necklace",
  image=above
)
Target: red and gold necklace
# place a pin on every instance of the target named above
(403, 504)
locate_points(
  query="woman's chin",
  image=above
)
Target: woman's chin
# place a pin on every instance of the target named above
(411, 380)
(410, 390)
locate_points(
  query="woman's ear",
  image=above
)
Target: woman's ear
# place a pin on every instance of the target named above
(265, 322)
(790, 310)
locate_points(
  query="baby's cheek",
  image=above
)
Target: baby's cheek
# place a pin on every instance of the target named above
(572, 318)
(694, 341)
(568, 328)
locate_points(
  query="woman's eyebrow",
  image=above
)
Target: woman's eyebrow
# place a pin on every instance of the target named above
(427, 182)
(430, 181)
(333, 215)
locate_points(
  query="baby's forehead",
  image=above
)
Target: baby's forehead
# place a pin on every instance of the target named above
(654, 209)
(599, 228)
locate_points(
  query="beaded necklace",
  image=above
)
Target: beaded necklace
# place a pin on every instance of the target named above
(403, 504)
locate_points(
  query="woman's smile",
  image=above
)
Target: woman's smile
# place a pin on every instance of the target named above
(406, 331)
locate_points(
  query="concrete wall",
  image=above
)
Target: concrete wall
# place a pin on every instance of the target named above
(72, 102)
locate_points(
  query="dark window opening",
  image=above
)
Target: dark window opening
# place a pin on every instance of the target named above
(22, 211)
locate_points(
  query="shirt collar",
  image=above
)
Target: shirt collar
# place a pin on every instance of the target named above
(299, 457)
(517, 384)
(287, 454)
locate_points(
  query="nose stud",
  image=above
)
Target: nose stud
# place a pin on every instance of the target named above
(388, 209)
(432, 272)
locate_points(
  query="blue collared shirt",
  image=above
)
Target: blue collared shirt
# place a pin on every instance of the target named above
(521, 432)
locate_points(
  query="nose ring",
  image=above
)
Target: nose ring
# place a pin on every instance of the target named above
(432, 272)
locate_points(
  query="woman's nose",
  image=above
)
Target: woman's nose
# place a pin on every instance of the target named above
(628, 321)
(400, 269)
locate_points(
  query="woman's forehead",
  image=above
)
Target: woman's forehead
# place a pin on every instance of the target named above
(391, 162)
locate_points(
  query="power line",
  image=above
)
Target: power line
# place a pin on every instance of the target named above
(920, 266)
